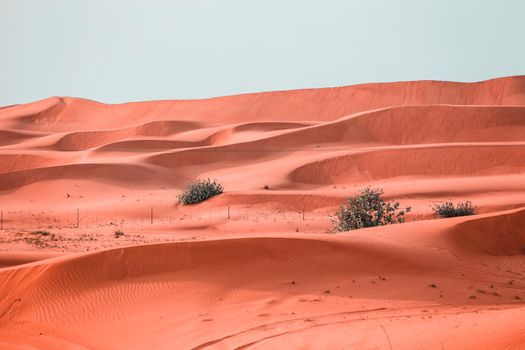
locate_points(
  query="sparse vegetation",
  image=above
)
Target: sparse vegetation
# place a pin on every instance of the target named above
(448, 210)
(42, 239)
(40, 233)
(199, 190)
(118, 233)
(367, 209)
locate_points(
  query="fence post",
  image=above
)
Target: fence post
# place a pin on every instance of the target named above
(228, 212)
(303, 214)
(151, 216)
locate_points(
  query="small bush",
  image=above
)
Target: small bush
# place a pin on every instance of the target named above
(40, 233)
(447, 210)
(118, 233)
(367, 209)
(199, 190)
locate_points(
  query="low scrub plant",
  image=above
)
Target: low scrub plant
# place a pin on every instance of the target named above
(448, 210)
(199, 190)
(40, 233)
(367, 209)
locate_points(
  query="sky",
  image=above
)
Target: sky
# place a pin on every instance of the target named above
(116, 51)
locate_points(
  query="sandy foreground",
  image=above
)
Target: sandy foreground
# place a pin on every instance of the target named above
(257, 267)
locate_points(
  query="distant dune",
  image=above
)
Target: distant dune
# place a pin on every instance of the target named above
(267, 274)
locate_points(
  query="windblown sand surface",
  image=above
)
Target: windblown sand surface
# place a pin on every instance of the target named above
(256, 267)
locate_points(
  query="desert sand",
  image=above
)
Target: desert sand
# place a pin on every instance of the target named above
(257, 266)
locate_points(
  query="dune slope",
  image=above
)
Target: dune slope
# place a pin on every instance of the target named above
(269, 291)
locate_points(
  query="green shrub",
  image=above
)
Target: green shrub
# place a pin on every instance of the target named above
(367, 209)
(447, 210)
(118, 233)
(199, 190)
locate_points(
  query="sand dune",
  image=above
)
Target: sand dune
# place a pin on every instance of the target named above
(428, 160)
(278, 287)
(309, 104)
(256, 267)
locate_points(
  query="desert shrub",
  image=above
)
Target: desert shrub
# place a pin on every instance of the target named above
(367, 209)
(40, 233)
(199, 190)
(448, 210)
(118, 233)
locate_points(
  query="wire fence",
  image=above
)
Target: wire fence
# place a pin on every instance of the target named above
(143, 216)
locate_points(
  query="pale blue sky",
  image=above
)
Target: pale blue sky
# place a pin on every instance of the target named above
(125, 50)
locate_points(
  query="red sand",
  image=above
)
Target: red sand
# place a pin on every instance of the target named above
(265, 278)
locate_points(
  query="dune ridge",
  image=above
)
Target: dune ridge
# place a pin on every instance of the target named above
(307, 104)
